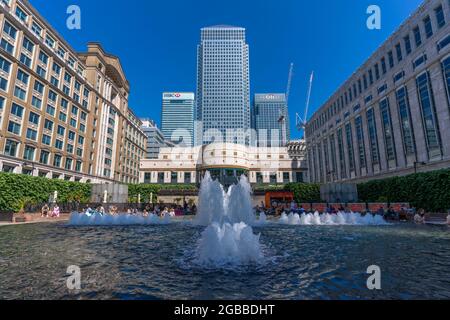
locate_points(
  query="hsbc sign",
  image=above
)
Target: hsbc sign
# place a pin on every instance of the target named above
(178, 95)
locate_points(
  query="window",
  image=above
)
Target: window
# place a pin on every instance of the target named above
(47, 140)
(17, 110)
(360, 142)
(61, 130)
(34, 118)
(14, 127)
(20, 93)
(2, 102)
(417, 36)
(28, 153)
(25, 60)
(59, 144)
(428, 27)
(44, 157)
(50, 110)
(398, 49)
(71, 135)
(3, 84)
(373, 137)
(9, 30)
(407, 41)
(5, 65)
(446, 73)
(48, 124)
(36, 29)
(41, 71)
(22, 77)
(62, 117)
(351, 153)
(68, 164)
(405, 121)
(426, 100)
(28, 45)
(56, 69)
(341, 154)
(11, 148)
(391, 59)
(57, 160)
(43, 57)
(387, 129)
(440, 18)
(78, 166)
(38, 87)
(52, 96)
(21, 14)
(31, 134)
(383, 65)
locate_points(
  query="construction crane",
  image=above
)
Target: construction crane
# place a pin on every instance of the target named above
(301, 122)
(282, 119)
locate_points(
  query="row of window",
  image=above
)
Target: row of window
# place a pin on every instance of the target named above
(29, 154)
(380, 68)
(350, 150)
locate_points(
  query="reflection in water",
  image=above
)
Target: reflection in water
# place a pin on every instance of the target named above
(151, 262)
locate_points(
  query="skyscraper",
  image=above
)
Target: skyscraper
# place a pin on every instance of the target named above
(223, 85)
(270, 118)
(178, 117)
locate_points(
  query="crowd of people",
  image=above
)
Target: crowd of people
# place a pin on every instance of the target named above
(158, 210)
(405, 214)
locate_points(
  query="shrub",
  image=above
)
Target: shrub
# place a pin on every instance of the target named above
(304, 192)
(423, 190)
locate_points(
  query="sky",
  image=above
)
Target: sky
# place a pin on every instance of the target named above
(156, 42)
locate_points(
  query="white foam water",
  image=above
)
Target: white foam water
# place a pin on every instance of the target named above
(227, 244)
(218, 206)
(96, 219)
(341, 218)
(229, 217)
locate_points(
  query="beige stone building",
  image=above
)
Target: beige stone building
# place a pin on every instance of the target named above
(227, 162)
(63, 114)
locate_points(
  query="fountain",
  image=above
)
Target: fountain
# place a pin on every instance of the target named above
(97, 219)
(228, 238)
(341, 218)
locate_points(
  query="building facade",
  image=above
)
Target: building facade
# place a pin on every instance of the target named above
(223, 86)
(177, 118)
(63, 114)
(226, 162)
(270, 119)
(155, 139)
(392, 116)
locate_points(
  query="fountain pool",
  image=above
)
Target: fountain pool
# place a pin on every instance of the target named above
(225, 253)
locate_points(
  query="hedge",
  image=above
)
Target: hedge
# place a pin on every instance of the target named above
(305, 192)
(134, 190)
(17, 191)
(430, 191)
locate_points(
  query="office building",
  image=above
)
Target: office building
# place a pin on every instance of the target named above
(270, 118)
(155, 139)
(177, 118)
(63, 114)
(223, 86)
(392, 116)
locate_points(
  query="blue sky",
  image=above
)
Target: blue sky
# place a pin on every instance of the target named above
(157, 40)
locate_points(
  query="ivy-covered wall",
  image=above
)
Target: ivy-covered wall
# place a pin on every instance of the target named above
(18, 190)
(430, 191)
(305, 192)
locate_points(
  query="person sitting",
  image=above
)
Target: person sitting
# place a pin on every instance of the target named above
(172, 212)
(55, 212)
(44, 211)
(418, 219)
(164, 212)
